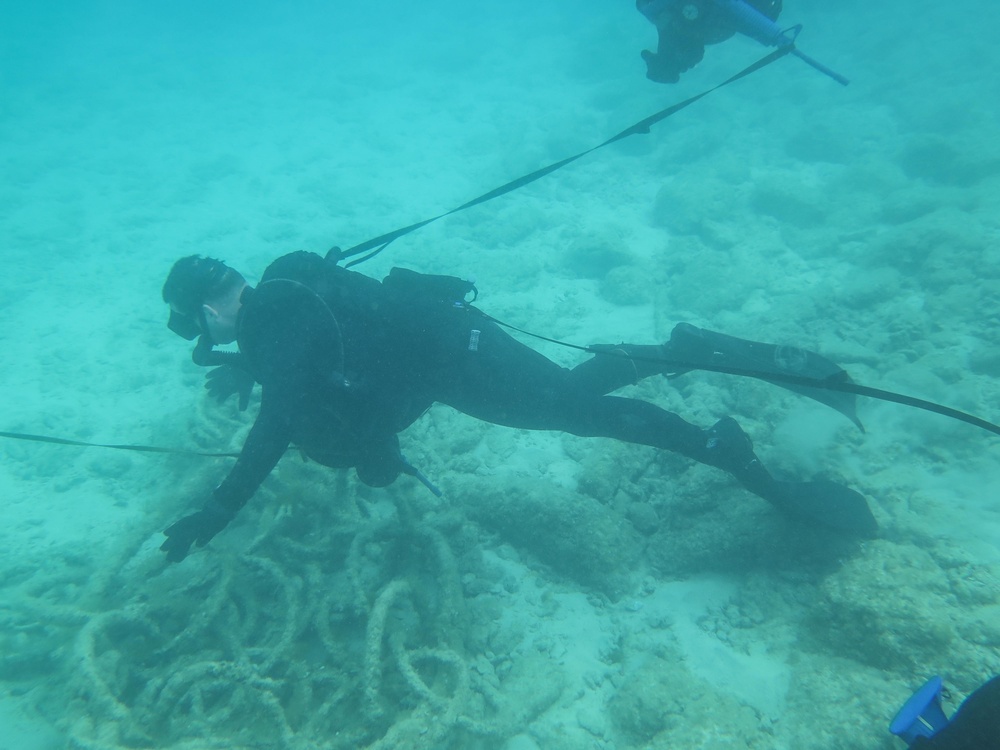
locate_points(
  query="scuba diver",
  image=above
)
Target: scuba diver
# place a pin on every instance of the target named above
(347, 362)
(684, 27)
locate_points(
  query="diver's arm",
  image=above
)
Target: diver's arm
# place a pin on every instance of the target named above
(268, 440)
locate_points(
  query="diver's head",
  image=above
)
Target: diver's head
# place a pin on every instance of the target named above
(204, 298)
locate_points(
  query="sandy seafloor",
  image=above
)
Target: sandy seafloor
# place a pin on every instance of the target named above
(564, 593)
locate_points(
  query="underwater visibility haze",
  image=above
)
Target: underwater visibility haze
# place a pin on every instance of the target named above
(563, 592)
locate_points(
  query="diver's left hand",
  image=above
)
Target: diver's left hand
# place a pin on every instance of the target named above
(222, 382)
(197, 528)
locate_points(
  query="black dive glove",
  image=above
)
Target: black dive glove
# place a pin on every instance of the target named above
(199, 527)
(222, 382)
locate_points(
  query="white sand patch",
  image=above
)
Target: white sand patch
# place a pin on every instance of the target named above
(758, 679)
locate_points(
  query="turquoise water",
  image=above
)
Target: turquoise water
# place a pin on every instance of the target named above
(564, 593)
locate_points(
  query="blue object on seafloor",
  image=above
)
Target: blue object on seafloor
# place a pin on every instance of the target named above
(922, 715)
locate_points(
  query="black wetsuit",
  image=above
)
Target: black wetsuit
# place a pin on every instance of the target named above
(408, 342)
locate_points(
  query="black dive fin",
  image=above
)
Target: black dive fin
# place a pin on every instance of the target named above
(693, 347)
(823, 503)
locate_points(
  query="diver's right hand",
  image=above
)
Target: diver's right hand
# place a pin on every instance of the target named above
(197, 528)
(222, 382)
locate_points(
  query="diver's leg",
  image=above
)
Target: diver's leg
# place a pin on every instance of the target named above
(614, 366)
(505, 382)
(724, 446)
(689, 348)
(508, 383)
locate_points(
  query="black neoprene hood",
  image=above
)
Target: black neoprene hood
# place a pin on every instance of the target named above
(190, 282)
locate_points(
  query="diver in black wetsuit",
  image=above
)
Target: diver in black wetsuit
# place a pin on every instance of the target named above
(347, 362)
(684, 27)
